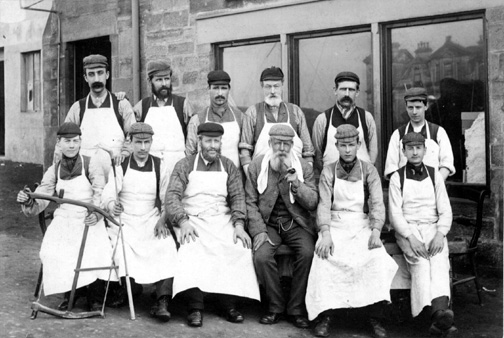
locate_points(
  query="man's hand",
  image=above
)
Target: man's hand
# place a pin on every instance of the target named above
(374, 240)
(293, 179)
(23, 198)
(91, 219)
(121, 96)
(187, 232)
(118, 159)
(418, 247)
(117, 209)
(324, 245)
(437, 244)
(239, 233)
(260, 239)
(161, 230)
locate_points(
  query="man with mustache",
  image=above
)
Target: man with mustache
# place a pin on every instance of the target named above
(167, 113)
(438, 153)
(221, 112)
(136, 196)
(280, 194)
(260, 117)
(103, 119)
(206, 204)
(344, 112)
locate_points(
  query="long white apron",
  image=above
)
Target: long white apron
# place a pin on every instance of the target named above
(61, 243)
(353, 276)
(261, 146)
(331, 153)
(149, 258)
(431, 157)
(230, 139)
(429, 278)
(214, 263)
(168, 141)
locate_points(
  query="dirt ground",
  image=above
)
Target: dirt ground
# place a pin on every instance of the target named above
(20, 239)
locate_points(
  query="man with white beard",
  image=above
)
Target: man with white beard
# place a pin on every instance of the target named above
(280, 194)
(260, 117)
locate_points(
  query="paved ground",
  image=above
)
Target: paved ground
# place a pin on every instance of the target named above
(20, 240)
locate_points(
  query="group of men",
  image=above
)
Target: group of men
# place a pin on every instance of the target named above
(234, 186)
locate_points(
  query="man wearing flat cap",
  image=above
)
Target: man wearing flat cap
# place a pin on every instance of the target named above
(167, 113)
(420, 212)
(103, 118)
(280, 194)
(344, 112)
(81, 178)
(351, 268)
(438, 153)
(260, 117)
(206, 204)
(219, 111)
(135, 196)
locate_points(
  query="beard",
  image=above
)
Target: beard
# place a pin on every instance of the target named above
(273, 101)
(280, 161)
(163, 92)
(205, 152)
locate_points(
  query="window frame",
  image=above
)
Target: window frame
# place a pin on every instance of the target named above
(24, 67)
(385, 31)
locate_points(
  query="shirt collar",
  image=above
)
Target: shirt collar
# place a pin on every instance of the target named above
(353, 176)
(342, 110)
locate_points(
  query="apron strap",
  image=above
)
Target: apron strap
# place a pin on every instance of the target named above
(430, 171)
(115, 105)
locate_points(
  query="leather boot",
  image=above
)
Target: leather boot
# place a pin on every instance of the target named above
(322, 327)
(160, 310)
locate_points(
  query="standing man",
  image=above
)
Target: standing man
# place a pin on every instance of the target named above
(344, 112)
(206, 203)
(352, 268)
(81, 179)
(220, 112)
(135, 196)
(167, 113)
(103, 119)
(438, 152)
(280, 194)
(264, 115)
(420, 212)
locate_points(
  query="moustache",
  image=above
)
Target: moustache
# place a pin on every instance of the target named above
(164, 88)
(346, 99)
(97, 85)
(220, 97)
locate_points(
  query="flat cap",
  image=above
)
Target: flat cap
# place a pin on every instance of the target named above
(141, 130)
(159, 68)
(415, 94)
(346, 76)
(272, 74)
(210, 129)
(95, 61)
(346, 131)
(413, 139)
(282, 132)
(69, 130)
(217, 77)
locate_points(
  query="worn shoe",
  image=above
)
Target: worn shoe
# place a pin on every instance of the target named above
(160, 310)
(270, 318)
(378, 330)
(300, 321)
(322, 327)
(195, 318)
(443, 319)
(63, 306)
(95, 306)
(233, 316)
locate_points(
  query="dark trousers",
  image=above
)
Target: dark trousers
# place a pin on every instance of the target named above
(195, 299)
(164, 287)
(302, 243)
(439, 303)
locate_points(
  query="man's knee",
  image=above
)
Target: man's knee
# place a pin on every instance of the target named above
(263, 255)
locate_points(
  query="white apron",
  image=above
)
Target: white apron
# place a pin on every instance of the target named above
(149, 258)
(429, 278)
(62, 240)
(168, 141)
(331, 153)
(431, 157)
(230, 139)
(261, 146)
(214, 263)
(353, 276)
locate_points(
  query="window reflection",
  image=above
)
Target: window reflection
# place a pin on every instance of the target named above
(448, 60)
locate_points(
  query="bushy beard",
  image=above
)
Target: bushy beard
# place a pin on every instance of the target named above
(205, 153)
(160, 94)
(279, 162)
(273, 101)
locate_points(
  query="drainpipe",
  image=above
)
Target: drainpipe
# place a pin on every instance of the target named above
(136, 49)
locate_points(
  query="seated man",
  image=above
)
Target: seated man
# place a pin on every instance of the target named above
(81, 179)
(280, 193)
(420, 212)
(135, 196)
(206, 203)
(352, 268)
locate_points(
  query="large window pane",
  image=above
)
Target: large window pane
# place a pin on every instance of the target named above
(448, 60)
(321, 58)
(244, 65)
(31, 90)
